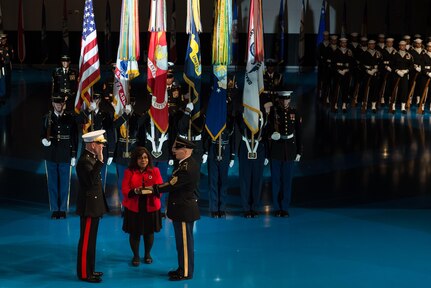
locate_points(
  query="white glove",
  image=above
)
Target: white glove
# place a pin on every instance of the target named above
(171, 162)
(418, 68)
(128, 109)
(275, 136)
(429, 74)
(388, 68)
(73, 161)
(45, 142)
(297, 158)
(190, 106)
(92, 107)
(374, 71)
(204, 158)
(266, 161)
(405, 71)
(231, 163)
(341, 72)
(109, 162)
(370, 72)
(400, 73)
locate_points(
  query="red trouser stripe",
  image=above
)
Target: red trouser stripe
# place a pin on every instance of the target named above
(85, 247)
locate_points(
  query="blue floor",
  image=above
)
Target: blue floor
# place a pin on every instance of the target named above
(360, 215)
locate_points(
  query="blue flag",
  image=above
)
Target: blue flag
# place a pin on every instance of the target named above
(193, 69)
(217, 108)
(235, 39)
(322, 23)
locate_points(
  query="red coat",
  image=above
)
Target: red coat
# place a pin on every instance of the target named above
(134, 179)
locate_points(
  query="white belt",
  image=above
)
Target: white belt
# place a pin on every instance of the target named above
(286, 137)
(194, 138)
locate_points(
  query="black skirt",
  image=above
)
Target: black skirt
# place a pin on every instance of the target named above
(142, 222)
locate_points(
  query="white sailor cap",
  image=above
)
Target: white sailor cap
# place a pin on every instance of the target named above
(402, 42)
(418, 40)
(406, 37)
(94, 136)
(343, 39)
(334, 37)
(354, 34)
(325, 33)
(417, 36)
(371, 41)
(381, 35)
(284, 94)
(364, 39)
(428, 44)
(389, 39)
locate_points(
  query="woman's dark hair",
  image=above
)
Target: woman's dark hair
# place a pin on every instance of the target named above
(138, 152)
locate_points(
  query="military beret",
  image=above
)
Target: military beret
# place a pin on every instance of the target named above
(183, 143)
(94, 136)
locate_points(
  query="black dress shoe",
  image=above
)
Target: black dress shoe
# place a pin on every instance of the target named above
(277, 213)
(215, 215)
(247, 214)
(284, 213)
(254, 214)
(179, 277)
(222, 214)
(97, 274)
(136, 262)
(93, 279)
(54, 215)
(61, 215)
(173, 272)
(163, 215)
(148, 260)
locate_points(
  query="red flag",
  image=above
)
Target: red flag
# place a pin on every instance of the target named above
(156, 79)
(89, 65)
(21, 39)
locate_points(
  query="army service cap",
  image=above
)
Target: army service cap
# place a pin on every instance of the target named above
(65, 58)
(183, 143)
(284, 95)
(94, 136)
(57, 98)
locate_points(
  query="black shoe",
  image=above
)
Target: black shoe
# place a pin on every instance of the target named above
(173, 272)
(222, 214)
(179, 277)
(163, 215)
(136, 261)
(374, 111)
(277, 213)
(254, 214)
(404, 111)
(92, 279)
(215, 215)
(61, 215)
(55, 215)
(148, 260)
(97, 274)
(284, 213)
(248, 214)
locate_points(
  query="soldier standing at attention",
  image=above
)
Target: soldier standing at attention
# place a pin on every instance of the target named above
(371, 61)
(90, 204)
(415, 77)
(403, 63)
(60, 142)
(285, 148)
(387, 75)
(65, 81)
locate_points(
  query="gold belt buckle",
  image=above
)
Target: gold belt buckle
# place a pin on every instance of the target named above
(252, 155)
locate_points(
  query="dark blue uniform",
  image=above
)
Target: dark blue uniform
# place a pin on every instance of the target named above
(282, 153)
(220, 152)
(251, 155)
(62, 131)
(90, 206)
(65, 81)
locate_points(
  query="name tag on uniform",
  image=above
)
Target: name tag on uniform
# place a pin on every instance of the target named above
(252, 155)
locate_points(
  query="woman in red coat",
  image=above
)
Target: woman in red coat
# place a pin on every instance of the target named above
(142, 212)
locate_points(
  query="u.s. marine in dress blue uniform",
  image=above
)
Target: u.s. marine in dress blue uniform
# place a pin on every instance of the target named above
(182, 206)
(285, 147)
(90, 204)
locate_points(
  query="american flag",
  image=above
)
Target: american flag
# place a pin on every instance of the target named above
(89, 66)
